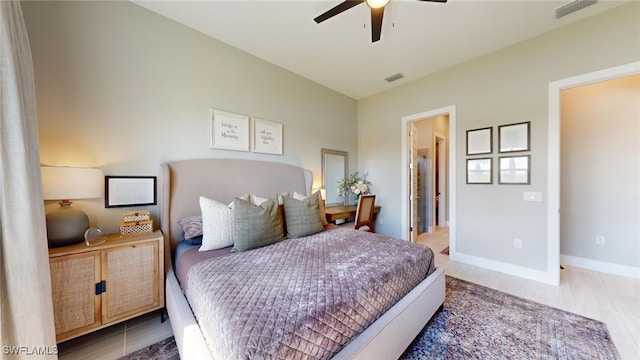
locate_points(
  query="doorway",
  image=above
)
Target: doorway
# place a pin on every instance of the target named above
(442, 137)
(553, 169)
(427, 174)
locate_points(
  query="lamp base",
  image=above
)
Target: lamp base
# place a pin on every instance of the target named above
(66, 225)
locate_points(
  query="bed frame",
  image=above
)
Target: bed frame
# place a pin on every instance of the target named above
(183, 182)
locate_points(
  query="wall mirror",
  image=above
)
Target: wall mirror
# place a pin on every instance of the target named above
(335, 165)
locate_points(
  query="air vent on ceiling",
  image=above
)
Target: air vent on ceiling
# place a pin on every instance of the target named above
(395, 77)
(573, 7)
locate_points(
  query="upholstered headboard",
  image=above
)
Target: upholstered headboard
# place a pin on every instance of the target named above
(183, 182)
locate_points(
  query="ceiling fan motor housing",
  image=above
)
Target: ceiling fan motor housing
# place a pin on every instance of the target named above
(377, 13)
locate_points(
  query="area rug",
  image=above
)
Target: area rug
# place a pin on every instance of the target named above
(480, 323)
(165, 350)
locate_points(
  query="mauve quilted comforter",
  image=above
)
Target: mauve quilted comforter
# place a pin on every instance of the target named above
(302, 298)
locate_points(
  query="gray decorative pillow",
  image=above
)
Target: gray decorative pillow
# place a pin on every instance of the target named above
(321, 206)
(257, 226)
(302, 216)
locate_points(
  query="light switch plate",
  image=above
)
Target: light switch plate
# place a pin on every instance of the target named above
(532, 196)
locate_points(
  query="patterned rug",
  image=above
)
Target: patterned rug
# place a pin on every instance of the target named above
(480, 323)
(165, 350)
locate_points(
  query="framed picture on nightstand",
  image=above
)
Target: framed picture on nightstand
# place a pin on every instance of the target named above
(121, 191)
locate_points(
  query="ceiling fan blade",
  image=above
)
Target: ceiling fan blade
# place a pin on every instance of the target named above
(343, 6)
(376, 23)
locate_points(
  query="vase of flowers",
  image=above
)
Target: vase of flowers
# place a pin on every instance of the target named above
(351, 187)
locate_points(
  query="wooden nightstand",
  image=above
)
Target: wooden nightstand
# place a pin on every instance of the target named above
(97, 286)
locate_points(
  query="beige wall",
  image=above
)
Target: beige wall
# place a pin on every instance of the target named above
(600, 171)
(507, 86)
(124, 89)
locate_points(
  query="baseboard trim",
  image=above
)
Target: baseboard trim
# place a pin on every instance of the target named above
(510, 269)
(606, 267)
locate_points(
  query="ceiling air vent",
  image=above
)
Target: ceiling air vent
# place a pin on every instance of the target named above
(573, 7)
(395, 77)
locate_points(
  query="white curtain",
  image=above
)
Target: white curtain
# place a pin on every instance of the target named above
(26, 316)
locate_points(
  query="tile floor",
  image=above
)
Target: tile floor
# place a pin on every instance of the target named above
(614, 300)
(117, 340)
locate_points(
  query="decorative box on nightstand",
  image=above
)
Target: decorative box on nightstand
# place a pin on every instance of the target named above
(97, 286)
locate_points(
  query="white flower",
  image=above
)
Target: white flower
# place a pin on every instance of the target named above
(355, 184)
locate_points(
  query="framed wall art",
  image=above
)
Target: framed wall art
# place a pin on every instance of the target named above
(479, 141)
(479, 171)
(121, 191)
(229, 131)
(514, 137)
(267, 137)
(514, 170)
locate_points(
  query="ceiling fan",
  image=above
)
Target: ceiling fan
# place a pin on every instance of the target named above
(377, 10)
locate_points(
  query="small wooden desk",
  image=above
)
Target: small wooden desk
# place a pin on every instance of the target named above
(333, 213)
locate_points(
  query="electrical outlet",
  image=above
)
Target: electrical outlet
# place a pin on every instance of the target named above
(600, 240)
(517, 243)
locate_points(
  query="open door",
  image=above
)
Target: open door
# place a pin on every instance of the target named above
(441, 181)
(413, 183)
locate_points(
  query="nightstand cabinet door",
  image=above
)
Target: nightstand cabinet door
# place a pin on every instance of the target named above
(97, 286)
(76, 307)
(131, 274)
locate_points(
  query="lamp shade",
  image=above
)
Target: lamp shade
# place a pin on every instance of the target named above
(66, 183)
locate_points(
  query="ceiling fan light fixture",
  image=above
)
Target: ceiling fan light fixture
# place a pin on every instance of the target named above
(376, 4)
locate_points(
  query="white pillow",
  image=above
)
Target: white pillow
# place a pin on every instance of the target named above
(218, 226)
(257, 200)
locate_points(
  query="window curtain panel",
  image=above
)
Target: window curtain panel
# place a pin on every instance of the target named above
(26, 316)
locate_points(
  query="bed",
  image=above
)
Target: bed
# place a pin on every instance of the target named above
(184, 182)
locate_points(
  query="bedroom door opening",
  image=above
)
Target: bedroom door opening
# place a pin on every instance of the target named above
(554, 165)
(427, 171)
(446, 115)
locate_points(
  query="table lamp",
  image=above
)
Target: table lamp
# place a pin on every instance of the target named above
(66, 225)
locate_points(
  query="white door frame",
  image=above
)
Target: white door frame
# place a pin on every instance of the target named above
(406, 120)
(553, 168)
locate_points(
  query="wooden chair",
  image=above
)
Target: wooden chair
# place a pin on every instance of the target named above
(364, 213)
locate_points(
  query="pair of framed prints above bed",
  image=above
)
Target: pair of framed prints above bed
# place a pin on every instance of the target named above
(231, 131)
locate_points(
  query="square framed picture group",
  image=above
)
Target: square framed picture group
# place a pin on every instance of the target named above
(513, 166)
